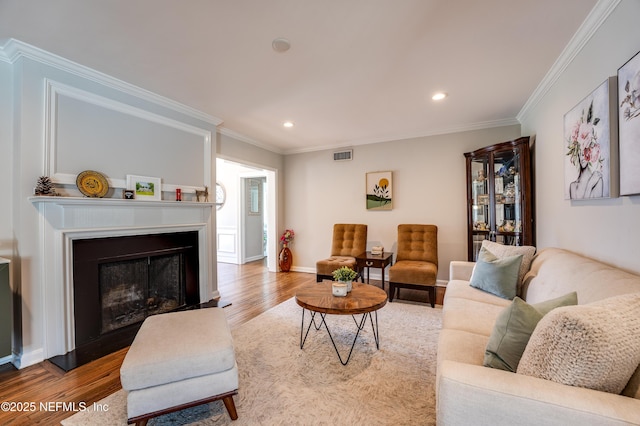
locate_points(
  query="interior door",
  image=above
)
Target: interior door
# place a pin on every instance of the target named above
(253, 217)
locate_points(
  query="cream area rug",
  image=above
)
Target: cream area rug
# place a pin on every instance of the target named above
(281, 384)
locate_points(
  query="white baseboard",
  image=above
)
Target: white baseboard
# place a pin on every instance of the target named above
(28, 359)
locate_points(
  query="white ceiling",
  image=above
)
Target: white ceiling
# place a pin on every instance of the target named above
(358, 71)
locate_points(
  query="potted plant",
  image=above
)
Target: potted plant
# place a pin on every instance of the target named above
(346, 275)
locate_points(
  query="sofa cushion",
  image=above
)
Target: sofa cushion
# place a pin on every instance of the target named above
(496, 276)
(471, 315)
(596, 346)
(555, 272)
(462, 290)
(513, 329)
(502, 250)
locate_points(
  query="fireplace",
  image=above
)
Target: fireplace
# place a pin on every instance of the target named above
(119, 281)
(66, 221)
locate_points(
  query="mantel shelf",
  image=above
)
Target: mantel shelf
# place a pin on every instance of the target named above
(87, 201)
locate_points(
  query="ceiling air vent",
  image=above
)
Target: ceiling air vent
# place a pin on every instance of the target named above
(345, 155)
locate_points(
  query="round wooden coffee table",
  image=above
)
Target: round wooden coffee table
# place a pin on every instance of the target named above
(363, 299)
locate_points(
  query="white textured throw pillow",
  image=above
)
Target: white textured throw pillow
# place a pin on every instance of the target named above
(595, 346)
(501, 251)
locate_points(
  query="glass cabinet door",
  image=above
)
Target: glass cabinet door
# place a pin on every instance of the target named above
(480, 212)
(507, 195)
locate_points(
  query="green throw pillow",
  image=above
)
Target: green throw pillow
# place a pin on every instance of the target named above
(514, 327)
(496, 276)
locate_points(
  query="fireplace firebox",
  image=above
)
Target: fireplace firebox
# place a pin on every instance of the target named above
(119, 281)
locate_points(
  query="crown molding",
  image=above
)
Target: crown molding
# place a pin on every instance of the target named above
(591, 24)
(391, 138)
(243, 138)
(13, 49)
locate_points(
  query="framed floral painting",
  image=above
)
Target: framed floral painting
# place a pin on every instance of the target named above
(590, 146)
(379, 192)
(629, 125)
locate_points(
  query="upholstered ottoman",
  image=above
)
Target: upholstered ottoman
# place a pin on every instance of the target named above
(179, 360)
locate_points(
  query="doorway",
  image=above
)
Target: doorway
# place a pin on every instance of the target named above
(246, 222)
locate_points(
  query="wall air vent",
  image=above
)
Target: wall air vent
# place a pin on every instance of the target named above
(346, 155)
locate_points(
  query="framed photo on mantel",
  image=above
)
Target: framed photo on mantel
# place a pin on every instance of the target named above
(145, 187)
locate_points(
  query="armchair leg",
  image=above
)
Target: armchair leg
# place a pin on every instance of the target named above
(432, 296)
(395, 287)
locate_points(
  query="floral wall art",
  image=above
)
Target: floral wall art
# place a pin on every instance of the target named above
(629, 125)
(591, 146)
(379, 192)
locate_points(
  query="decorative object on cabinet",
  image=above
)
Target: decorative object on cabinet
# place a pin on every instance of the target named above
(505, 217)
(629, 125)
(146, 188)
(379, 192)
(377, 250)
(591, 146)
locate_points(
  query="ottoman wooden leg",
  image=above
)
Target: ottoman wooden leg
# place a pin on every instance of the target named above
(231, 407)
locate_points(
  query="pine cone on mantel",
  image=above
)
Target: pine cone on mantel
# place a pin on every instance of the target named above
(44, 187)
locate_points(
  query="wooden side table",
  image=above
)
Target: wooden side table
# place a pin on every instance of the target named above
(368, 260)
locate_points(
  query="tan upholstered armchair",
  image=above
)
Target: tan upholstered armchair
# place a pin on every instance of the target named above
(416, 264)
(349, 241)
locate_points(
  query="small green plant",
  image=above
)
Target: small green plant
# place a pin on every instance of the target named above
(344, 273)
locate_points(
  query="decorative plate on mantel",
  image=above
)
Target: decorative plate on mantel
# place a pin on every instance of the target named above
(92, 184)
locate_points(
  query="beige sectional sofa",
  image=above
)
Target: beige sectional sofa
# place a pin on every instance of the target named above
(470, 394)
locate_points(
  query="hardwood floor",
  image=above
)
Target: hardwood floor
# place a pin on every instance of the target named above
(250, 288)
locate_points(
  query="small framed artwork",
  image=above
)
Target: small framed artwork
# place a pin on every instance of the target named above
(629, 125)
(128, 194)
(145, 188)
(379, 191)
(591, 146)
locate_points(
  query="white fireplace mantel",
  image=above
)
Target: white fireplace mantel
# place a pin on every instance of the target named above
(65, 219)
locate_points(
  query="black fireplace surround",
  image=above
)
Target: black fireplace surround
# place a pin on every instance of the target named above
(118, 281)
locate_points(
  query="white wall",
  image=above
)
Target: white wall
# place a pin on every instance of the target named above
(604, 229)
(428, 187)
(24, 149)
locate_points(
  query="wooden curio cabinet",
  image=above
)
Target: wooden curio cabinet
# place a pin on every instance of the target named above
(500, 195)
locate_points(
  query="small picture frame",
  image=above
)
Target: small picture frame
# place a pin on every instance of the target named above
(379, 194)
(128, 194)
(145, 188)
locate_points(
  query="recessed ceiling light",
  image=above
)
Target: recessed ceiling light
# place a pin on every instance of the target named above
(288, 124)
(280, 44)
(439, 96)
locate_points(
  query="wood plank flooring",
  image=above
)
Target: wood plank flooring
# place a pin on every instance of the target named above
(250, 288)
